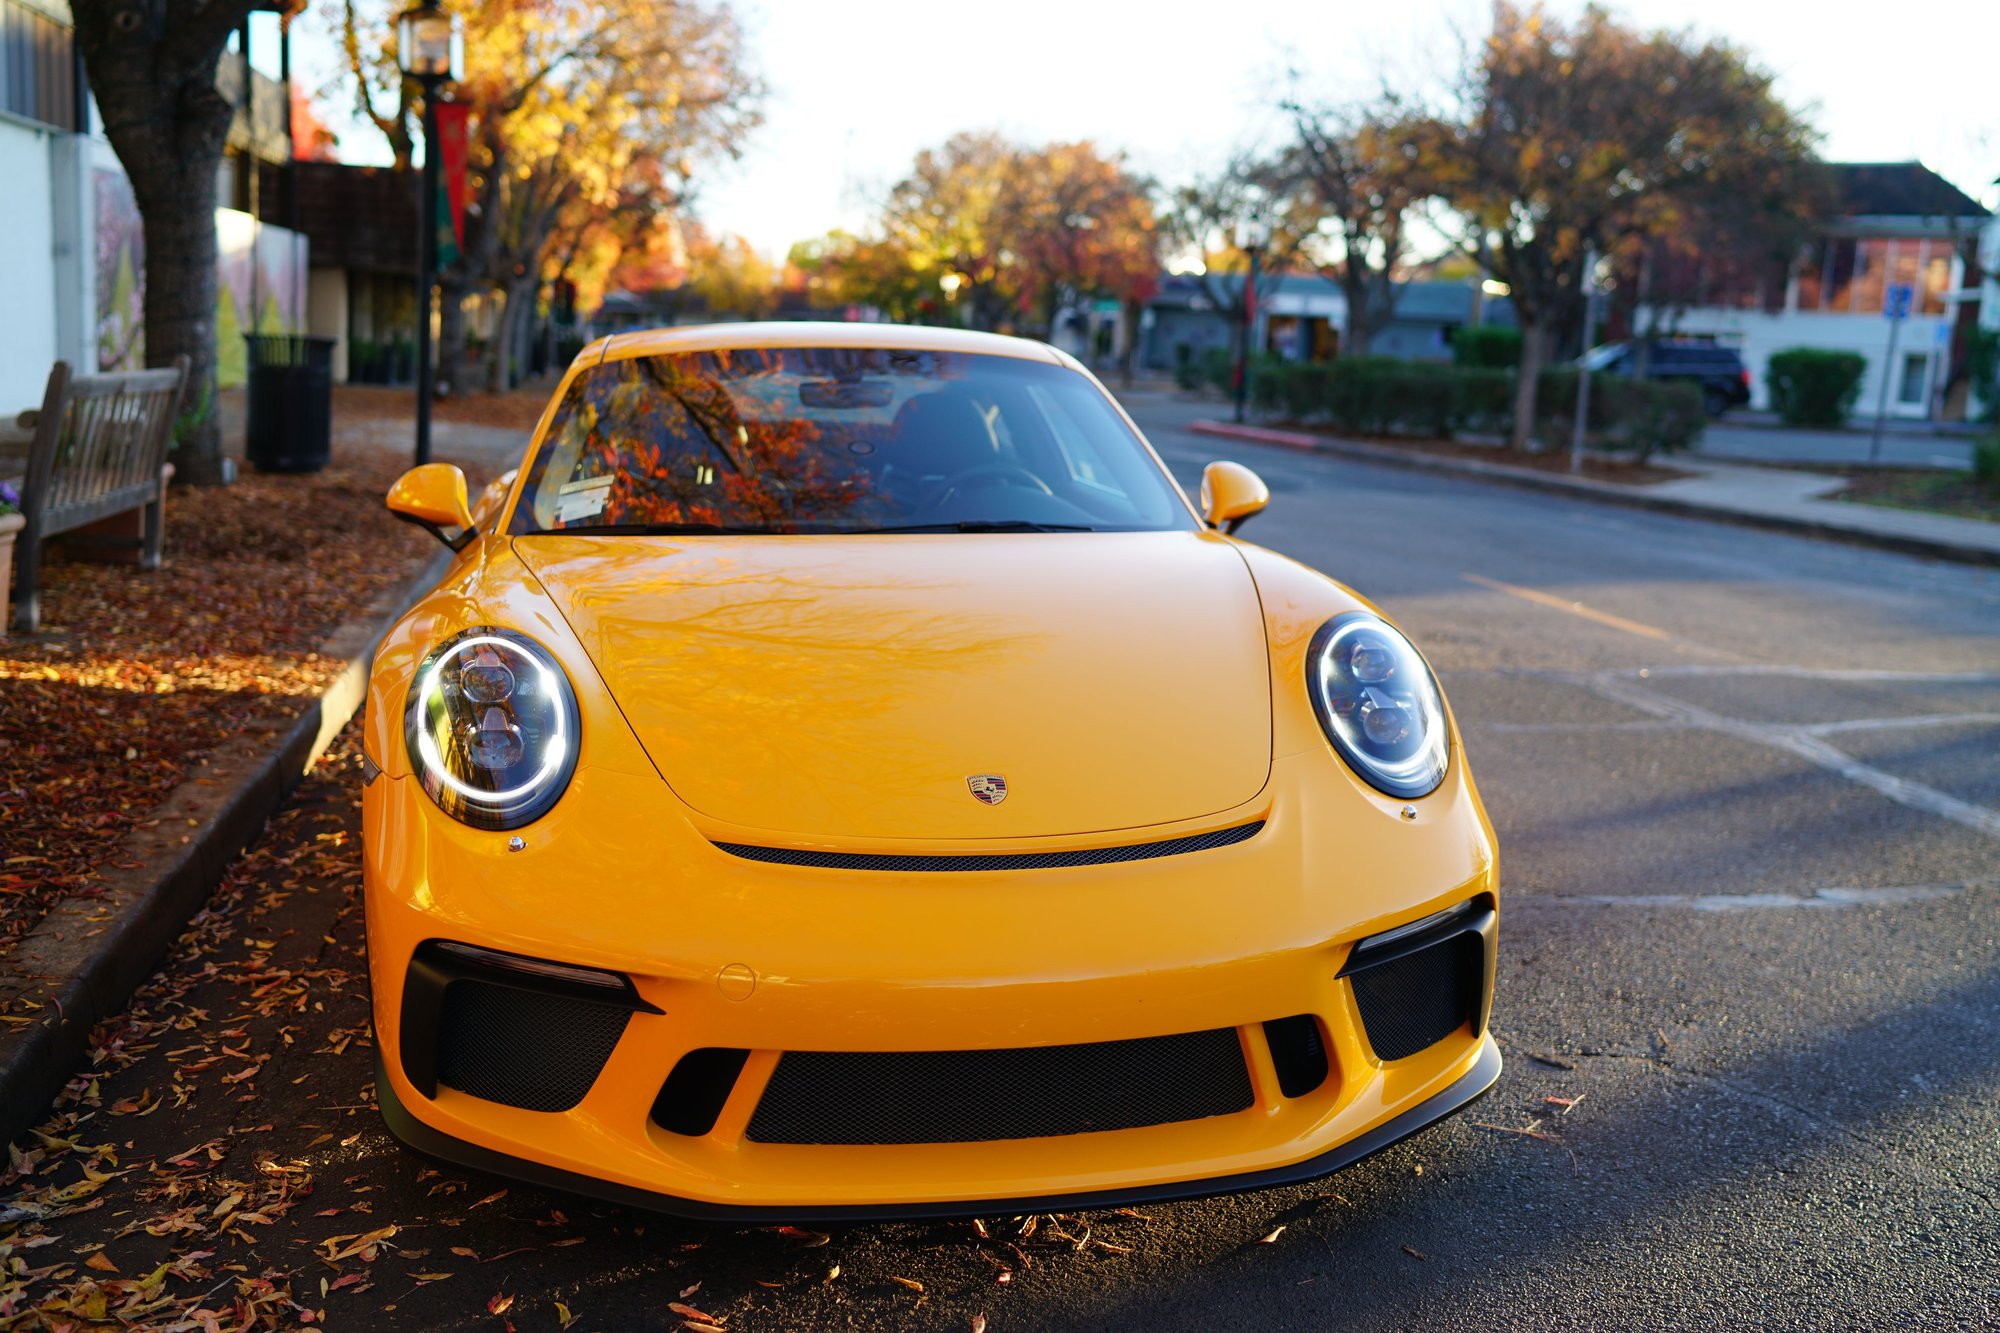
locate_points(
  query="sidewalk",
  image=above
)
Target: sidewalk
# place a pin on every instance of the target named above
(1764, 497)
(1751, 440)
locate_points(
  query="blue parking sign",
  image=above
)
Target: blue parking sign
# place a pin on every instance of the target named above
(1902, 296)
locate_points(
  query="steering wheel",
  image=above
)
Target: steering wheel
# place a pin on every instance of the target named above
(995, 474)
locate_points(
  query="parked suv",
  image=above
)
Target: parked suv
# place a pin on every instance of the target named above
(1718, 370)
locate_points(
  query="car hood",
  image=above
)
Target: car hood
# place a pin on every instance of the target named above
(848, 687)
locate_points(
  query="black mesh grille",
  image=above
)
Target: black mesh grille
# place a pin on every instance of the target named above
(523, 1048)
(1297, 1052)
(693, 1095)
(977, 1096)
(1421, 998)
(1086, 856)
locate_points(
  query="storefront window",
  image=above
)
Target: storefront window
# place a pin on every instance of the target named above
(1871, 271)
(1937, 277)
(1840, 263)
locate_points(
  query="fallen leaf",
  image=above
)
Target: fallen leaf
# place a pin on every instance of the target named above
(500, 1304)
(563, 1315)
(909, 1282)
(979, 1323)
(1416, 1253)
(807, 1240)
(101, 1262)
(1272, 1239)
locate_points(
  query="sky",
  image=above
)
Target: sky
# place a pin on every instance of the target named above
(857, 87)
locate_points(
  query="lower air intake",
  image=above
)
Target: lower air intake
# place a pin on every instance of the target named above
(881, 1097)
(1417, 1000)
(524, 1048)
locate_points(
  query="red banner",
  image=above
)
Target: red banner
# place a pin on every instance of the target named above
(451, 118)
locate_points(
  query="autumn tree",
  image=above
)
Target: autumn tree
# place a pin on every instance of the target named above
(1199, 221)
(842, 269)
(1573, 138)
(575, 111)
(1075, 223)
(152, 67)
(1362, 169)
(942, 219)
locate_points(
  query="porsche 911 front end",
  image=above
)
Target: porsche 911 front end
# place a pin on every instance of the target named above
(859, 837)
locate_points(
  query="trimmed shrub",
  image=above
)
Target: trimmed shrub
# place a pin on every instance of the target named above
(1486, 347)
(1218, 366)
(1982, 364)
(1187, 375)
(1986, 464)
(1369, 395)
(1814, 387)
(1482, 400)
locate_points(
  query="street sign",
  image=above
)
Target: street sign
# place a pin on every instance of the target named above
(1902, 296)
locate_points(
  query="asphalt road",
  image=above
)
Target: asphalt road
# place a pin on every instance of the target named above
(1749, 808)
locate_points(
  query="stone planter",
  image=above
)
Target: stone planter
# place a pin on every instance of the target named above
(10, 527)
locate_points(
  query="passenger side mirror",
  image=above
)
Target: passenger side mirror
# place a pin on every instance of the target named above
(433, 498)
(1231, 495)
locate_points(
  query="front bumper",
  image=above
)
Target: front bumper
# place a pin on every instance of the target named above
(728, 953)
(414, 1134)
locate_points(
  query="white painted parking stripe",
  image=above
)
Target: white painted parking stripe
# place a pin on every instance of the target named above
(1810, 900)
(1621, 689)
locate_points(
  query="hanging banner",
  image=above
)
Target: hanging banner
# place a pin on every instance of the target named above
(451, 118)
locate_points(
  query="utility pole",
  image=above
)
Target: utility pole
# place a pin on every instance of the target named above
(1897, 308)
(1582, 427)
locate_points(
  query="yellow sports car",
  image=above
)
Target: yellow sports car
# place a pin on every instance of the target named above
(842, 776)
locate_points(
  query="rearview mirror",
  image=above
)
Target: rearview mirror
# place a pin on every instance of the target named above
(433, 498)
(1231, 494)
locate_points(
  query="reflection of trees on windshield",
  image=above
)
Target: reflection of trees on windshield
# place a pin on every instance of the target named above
(668, 431)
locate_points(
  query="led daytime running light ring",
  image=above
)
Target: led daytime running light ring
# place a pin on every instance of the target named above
(558, 744)
(1420, 772)
(549, 725)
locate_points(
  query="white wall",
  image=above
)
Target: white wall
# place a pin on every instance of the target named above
(27, 267)
(326, 314)
(1757, 335)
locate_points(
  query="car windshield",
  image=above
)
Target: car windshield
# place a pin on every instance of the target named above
(841, 440)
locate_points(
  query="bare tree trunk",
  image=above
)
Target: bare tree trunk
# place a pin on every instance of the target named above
(1534, 354)
(152, 68)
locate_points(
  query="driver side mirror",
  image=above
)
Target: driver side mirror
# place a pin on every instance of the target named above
(1231, 495)
(433, 498)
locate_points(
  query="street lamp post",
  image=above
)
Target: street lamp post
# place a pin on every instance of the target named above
(431, 49)
(1252, 234)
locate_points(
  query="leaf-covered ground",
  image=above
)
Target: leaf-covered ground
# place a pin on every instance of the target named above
(135, 675)
(220, 1165)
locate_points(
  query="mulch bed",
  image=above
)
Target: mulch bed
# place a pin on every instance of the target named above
(1959, 494)
(136, 675)
(1596, 467)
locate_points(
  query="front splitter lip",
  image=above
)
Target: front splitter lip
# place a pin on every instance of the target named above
(419, 1137)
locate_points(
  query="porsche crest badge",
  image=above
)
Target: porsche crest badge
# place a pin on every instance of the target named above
(987, 788)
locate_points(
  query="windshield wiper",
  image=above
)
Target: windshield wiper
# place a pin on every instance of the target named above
(646, 529)
(985, 525)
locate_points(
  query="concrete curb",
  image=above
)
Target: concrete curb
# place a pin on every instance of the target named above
(82, 963)
(1605, 492)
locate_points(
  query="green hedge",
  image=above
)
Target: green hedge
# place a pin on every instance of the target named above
(1812, 387)
(1986, 464)
(1486, 346)
(1433, 400)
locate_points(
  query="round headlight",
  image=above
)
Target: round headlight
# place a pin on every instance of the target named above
(492, 728)
(1378, 704)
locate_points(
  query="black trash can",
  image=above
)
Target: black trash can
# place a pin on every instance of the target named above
(290, 417)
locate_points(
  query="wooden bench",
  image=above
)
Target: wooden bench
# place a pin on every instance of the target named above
(99, 448)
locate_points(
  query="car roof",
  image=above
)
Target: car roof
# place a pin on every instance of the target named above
(807, 333)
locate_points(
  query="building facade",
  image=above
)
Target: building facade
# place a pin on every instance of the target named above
(47, 283)
(1898, 225)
